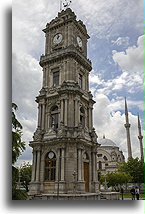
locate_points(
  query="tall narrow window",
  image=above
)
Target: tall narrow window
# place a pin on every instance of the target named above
(54, 117)
(80, 80)
(50, 167)
(56, 78)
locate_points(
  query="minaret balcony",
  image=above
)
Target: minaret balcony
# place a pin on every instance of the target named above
(127, 125)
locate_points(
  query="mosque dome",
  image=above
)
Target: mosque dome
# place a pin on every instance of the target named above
(106, 142)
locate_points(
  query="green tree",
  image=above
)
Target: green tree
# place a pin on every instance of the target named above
(116, 179)
(25, 175)
(135, 168)
(18, 146)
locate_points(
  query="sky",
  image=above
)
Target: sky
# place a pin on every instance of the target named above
(115, 48)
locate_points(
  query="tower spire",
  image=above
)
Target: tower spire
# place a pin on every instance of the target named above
(127, 126)
(140, 137)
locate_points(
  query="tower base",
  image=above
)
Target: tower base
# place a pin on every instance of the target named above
(86, 196)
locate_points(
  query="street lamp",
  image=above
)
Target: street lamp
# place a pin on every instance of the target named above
(75, 177)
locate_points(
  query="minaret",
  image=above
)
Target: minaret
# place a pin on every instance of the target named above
(127, 126)
(140, 137)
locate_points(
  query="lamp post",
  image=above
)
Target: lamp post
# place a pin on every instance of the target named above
(75, 176)
(105, 182)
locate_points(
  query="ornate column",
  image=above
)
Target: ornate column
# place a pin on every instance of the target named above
(90, 118)
(43, 116)
(61, 111)
(34, 166)
(62, 164)
(48, 120)
(65, 113)
(38, 166)
(76, 113)
(79, 164)
(94, 166)
(39, 116)
(58, 166)
(44, 77)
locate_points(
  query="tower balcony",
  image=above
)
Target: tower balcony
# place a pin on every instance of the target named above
(70, 52)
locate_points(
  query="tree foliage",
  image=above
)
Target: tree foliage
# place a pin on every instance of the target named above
(119, 178)
(25, 175)
(135, 168)
(18, 145)
(116, 179)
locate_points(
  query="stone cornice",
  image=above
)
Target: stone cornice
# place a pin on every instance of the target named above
(70, 52)
(70, 87)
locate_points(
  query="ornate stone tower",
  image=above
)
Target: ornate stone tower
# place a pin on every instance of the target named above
(127, 126)
(65, 142)
(140, 137)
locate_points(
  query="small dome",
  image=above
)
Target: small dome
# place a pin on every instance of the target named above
(106, 142)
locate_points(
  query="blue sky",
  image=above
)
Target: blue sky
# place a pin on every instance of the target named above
(115, 48)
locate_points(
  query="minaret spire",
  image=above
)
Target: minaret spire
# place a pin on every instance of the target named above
(140, 137)
(127, 126)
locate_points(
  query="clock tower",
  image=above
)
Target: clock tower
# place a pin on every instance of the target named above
(64, 143)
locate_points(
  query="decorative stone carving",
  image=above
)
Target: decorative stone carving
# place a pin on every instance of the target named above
(94, 136)
(38, 135)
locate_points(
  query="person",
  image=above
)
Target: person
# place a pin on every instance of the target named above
(137, 192)
(132, 191)
(122, 191)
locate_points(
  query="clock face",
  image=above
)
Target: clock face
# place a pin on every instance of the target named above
(79, 41)
(57, 38)
(50, 155)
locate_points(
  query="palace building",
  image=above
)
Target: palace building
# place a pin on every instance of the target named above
(108, 156)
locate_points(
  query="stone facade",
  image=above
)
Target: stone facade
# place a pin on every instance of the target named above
(65, 143)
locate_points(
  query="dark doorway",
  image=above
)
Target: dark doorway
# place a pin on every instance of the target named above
(86, 176)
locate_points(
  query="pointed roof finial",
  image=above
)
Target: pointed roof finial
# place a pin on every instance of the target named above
(126, 109)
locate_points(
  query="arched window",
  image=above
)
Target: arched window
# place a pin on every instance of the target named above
(100, 165)
(50, 167)
(54, 117)
(105, 158)
(82, 116)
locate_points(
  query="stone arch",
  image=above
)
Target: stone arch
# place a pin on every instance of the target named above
(54, 116)
(104, 153)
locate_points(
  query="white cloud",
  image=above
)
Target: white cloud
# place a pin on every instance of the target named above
(27, 78)
(131, 60)
(108, 18)
(109, 121)
(30, 17)
(131, 78)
